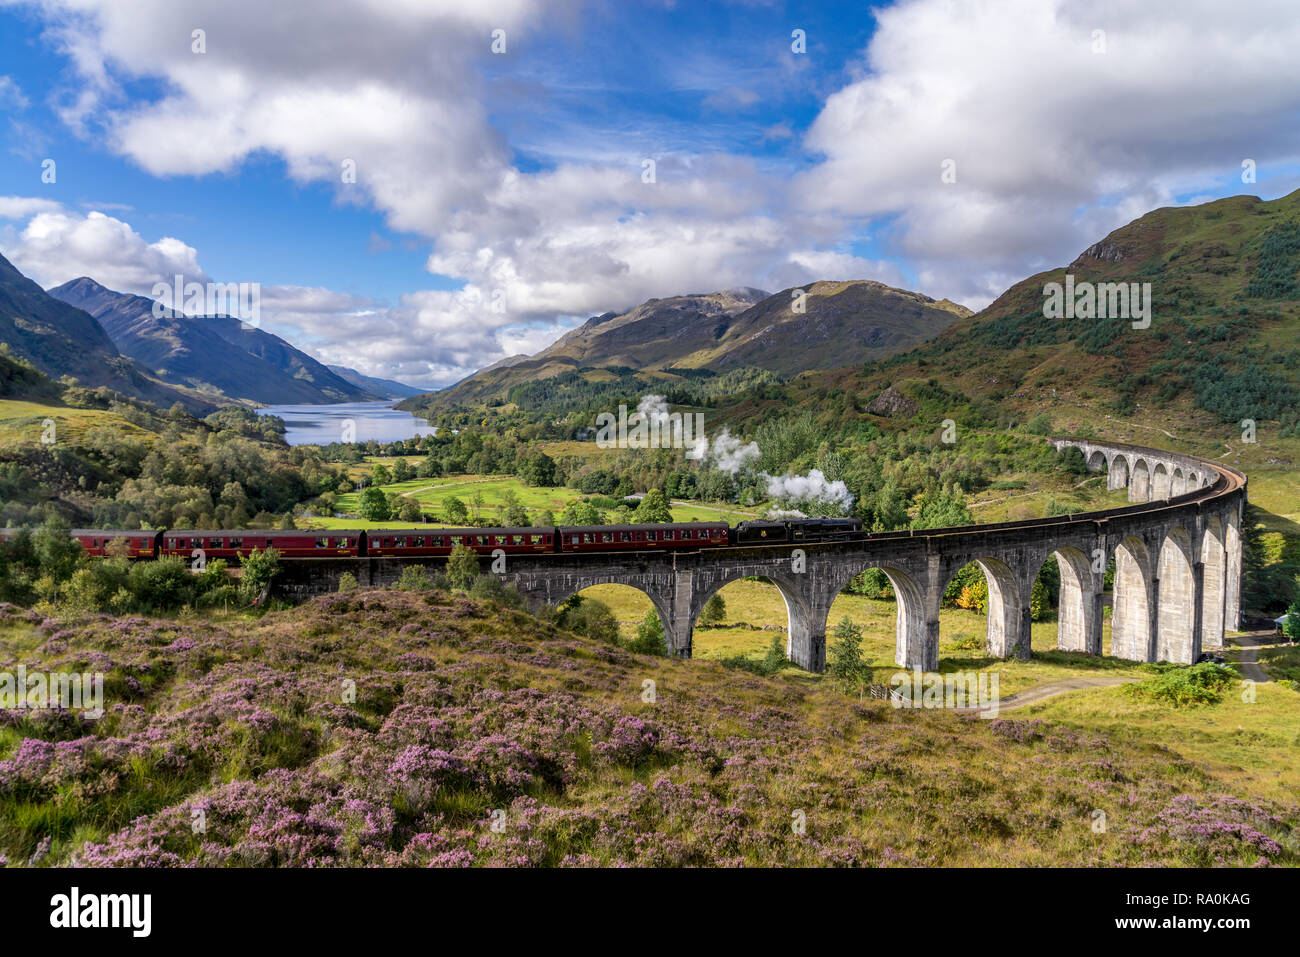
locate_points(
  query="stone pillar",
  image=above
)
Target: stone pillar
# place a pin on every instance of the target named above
(1232, 599)
(1213, 598)
(1153, 616)
(1198, 609)
(918, 629)
(679, 623)
(806, 646)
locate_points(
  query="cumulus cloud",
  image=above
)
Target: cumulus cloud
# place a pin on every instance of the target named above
(57, 245)
(1059, 133)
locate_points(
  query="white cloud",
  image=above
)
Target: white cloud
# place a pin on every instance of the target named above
(56, 246)
(11, 94)
(21, 207)
(1054, 144)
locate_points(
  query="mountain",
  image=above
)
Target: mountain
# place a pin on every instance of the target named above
(217, 355)
(60, 339)
(1222, 345)
(384, 388)
(841, 323)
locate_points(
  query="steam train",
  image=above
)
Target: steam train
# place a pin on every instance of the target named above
(418, 542)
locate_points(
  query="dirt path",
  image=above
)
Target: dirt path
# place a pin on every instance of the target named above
(1250, 643)
(416, 491)
(1052, 688)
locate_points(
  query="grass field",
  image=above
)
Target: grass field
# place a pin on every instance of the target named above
(1252, 742)
(432, 495)
(756, 613)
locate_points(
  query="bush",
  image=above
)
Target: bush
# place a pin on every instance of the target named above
(160, 585)
(589, 617)
(348, 582)
(649, 638)
(414, 578)
(1180, 686)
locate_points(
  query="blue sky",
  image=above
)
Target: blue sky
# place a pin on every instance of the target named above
(515, 178)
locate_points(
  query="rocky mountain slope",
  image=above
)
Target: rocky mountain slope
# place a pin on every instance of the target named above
(61, 339)
(834, 324)
(219, 355)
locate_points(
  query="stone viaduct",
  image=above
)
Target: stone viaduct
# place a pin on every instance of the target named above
(1176, 550)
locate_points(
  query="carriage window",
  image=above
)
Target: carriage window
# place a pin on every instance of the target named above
(419, 541)
(575, 539)
(624, 537)
(588, 537)
(606, 536)
(239, 543)
(639, 536)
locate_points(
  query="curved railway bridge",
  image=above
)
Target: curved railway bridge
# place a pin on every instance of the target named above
(1177, 554)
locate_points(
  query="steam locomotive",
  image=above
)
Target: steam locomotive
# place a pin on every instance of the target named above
(412, 542)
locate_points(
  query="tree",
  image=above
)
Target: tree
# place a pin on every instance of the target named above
(653, 508)
(890, 510)
(1291, 627)
(380, 475)
(649, 638)
(844, 658)
(515, 514)
(714, 611)
(943, 508)
(402, 470)
(455, 511)
(1039, 605)
(410, 511)
(286, 522)
(537, 470)
(373, 505)
(462, 567)
(348, 582)
(258, 568)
